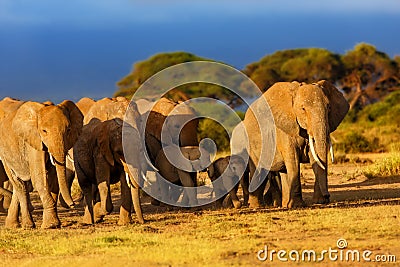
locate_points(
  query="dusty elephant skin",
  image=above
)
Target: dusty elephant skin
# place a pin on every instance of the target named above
(303, 113)
(36, 134)
(198, 160)
(238, 171)
(158, 117)
(99, 161)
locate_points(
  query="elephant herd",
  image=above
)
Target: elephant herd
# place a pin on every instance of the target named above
(44, 147)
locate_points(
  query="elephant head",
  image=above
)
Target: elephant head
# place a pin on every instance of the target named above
(312, 111)
(53, 129)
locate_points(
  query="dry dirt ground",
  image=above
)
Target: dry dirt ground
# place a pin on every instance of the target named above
(347, 185)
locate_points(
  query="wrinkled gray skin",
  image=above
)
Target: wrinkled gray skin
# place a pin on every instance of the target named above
(99, 162)
(199, 160)
(162, 128)
(32, 132)
(237, 171)
(301, 112)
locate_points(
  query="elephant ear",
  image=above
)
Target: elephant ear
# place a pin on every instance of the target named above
(338, 104)
(280, 99)
(103, 141)
(75, 117)
(25, 124)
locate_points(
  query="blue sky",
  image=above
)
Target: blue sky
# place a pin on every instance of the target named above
(55, 50)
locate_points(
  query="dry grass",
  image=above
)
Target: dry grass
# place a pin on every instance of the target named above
(211, 238)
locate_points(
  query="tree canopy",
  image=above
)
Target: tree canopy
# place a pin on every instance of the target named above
(364, 74)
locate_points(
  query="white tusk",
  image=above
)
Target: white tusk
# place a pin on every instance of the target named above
(315, 154)
(70, 158)
(52, 160)
(145, 178)
(331, 151)
(128, 180)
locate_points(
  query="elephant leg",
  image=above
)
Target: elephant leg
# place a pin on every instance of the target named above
(19, 202)
(126, 202)
(244, 183)
(190, 189)
(219, 191)
(12, 219)
(105, 198)
(235, 200)
(256, 197)
(40, 181)
(135, 193)
(86, 186)
(320, 174)
(273, 196)
(291, 190)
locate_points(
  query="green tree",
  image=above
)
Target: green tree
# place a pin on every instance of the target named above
(304, 65)
(369, 75)
(143, 70)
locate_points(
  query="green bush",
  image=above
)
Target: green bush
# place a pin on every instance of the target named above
(354, 142)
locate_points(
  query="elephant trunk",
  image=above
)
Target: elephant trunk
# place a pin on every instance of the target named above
(59, 162)
(319, 150)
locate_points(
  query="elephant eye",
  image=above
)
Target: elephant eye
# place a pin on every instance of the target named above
(44, 131)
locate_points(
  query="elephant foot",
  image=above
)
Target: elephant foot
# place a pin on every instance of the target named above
(50, 220)
(86, 219)
(28, 225)
(321, 199)
(12, 223)
(124, 220)
(296, 204)
(254, 202)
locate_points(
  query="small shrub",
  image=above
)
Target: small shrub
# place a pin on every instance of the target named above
(389, 166)
(354, 142)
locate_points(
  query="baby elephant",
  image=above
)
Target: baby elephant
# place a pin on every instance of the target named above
(183, 172)
(231, 173)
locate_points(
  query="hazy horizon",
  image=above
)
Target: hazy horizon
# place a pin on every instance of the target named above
(55, 50)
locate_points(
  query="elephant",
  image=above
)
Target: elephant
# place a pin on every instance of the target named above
(39, 136)
(99, 161)
(237, 171)
(84, 105)
(197, 159)
(160, 116)
(183, 117)
(5, 190)
(304, 116)
(102, 110)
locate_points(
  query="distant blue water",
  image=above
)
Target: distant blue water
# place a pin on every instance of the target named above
(56, 62)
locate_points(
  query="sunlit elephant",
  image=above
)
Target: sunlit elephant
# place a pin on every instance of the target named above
(84, 105)
(304, 115)
(5, 192)
(180, 128)
(7, 105)
(184, 173)
(229, 178)
(101, 110)
(183, 117)
(37, 134)
(99, 161)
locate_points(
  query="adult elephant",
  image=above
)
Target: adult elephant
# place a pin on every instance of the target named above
(85, 104)
(180, 116)
(99, 161)
(38, 134)
(304, 115)
(180, 127)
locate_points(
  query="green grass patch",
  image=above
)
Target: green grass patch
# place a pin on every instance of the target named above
(389, 166)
